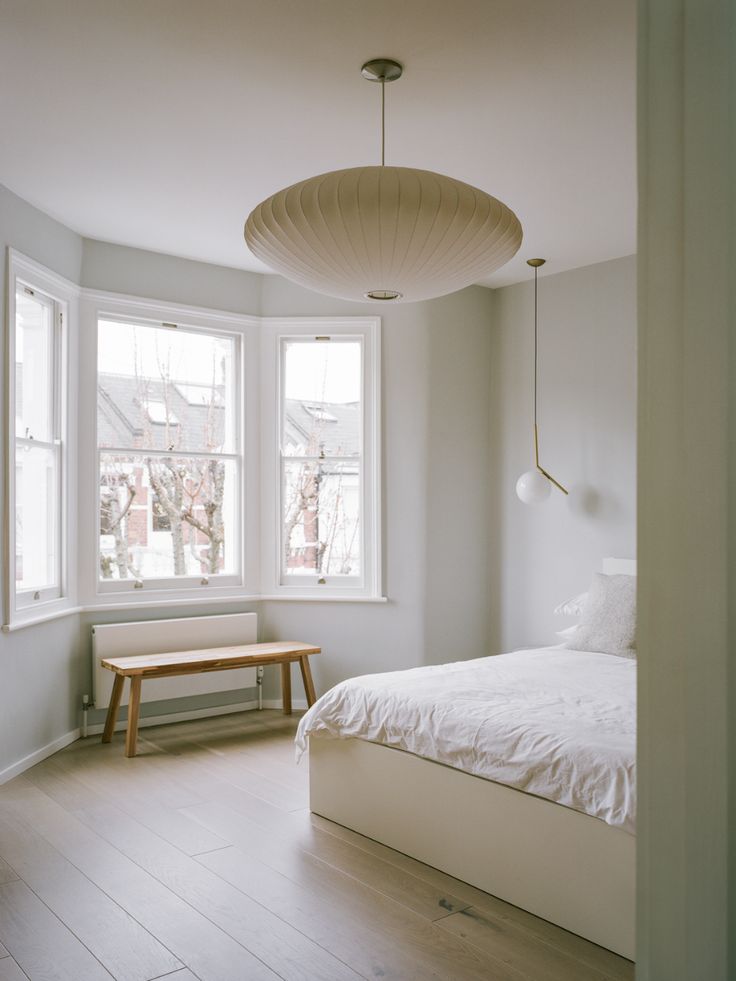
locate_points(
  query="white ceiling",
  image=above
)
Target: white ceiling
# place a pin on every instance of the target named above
(161, 123)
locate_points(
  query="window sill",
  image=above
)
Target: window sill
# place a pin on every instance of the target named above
(102, 607)
(282, 598)
(104, 602)
(40, 617)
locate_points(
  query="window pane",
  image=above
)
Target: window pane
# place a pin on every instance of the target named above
(321, 410)
(34, 358)
(36, 528)
(321, 518)
(163, 388)
(167, 516)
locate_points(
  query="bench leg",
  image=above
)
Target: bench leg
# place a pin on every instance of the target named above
(286, 687)
(307, 679)
(112, 709)
(134, 703)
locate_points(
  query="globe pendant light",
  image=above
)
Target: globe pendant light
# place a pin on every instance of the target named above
(534, 486)
(387, 234)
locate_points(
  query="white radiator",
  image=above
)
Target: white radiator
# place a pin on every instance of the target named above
(160, 636)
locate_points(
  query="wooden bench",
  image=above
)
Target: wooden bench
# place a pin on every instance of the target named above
(192, 662)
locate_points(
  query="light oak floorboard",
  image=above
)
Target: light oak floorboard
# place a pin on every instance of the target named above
(152, 803)
(196, 942)
(290, 954)
(204, 843)
(40, 944)
(127, 951)
(516, 947)
(6, 873)
(10, 971)
(377, 936)
(183, 975)
(399, 925)
(235, 770)
(292, 846)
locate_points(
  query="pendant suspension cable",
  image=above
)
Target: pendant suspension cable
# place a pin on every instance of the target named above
(536, 345)
(383, 122)
(382, 70)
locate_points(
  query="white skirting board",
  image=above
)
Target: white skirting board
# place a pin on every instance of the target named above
(564, 866)
(15, 769)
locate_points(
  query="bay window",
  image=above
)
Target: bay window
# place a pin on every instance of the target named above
(194, 455)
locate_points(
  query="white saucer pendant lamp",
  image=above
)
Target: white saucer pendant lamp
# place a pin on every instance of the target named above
(535, 486)
(388, 234)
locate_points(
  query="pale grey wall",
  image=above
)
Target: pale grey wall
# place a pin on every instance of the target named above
(686, 903)
(39, 666)
(545, 553)
(155, 276)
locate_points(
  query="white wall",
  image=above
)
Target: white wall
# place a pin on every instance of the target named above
(543, 554)
(155, 276)
(686, 904)
(39, 666)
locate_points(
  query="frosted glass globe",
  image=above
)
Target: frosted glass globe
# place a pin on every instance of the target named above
(533, 487)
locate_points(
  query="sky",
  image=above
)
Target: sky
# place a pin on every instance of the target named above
(328, 371)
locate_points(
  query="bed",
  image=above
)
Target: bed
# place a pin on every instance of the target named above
(514, 773)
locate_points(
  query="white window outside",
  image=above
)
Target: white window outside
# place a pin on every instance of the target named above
(321, 465)
(40, 484)
(169, 456)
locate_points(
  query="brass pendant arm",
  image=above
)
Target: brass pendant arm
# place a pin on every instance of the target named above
(540, 468)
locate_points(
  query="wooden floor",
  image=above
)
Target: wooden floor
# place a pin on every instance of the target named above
(199, 859)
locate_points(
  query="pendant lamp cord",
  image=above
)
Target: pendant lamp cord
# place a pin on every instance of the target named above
(535, 347)
(383, 122)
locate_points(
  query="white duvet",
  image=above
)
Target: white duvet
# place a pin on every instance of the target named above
(552, 722)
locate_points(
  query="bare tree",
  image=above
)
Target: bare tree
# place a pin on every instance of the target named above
(112, 519)
(167, 479)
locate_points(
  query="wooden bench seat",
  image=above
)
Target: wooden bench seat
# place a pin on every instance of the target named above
(193, 662)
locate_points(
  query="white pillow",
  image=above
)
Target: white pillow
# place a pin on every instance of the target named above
(573, 607)
(608, 621)
(569, 632)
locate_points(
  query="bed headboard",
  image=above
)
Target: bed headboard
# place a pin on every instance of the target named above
(612, 567)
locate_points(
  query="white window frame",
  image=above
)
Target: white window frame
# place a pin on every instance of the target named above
(275, 331)
(28, 606)
(244, 329)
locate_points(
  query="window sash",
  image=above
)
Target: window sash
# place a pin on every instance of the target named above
(321, 577)
(277, 333)
(201, 581)
(25, 598)
(318, 578)
(184, 581)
